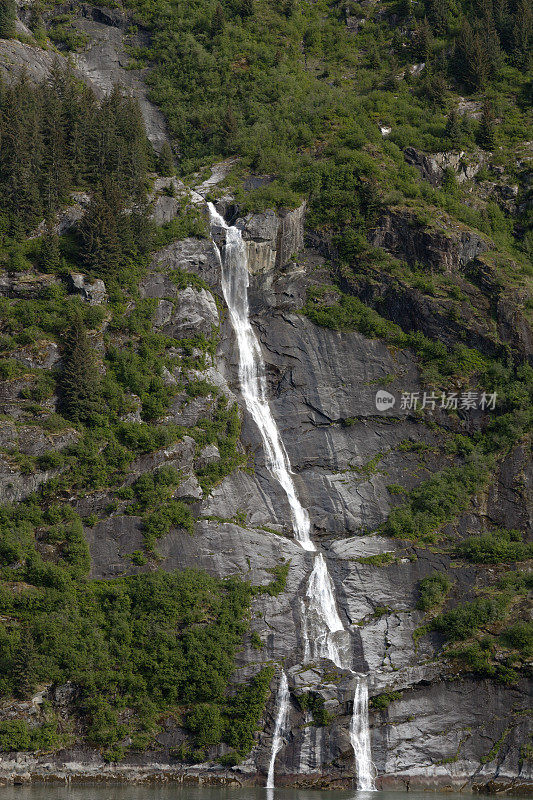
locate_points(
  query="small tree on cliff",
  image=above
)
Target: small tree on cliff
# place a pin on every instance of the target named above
(8, 12)
(166, 161)
(486, 134)
(453, 127)
(79, 381)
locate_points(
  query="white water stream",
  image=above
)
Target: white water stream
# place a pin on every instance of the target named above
(282, 713)
(324, 633)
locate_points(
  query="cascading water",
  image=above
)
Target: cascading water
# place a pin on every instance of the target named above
(360, 737)
(235, 280)
(323, 632)
(279, 727)
(322, 617)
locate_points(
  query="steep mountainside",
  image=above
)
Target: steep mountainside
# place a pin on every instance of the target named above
(375, 160)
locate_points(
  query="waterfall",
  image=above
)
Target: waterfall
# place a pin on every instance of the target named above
(282, 704)
(360, 737)
(322, 617)
(323, 632)
(235, 278)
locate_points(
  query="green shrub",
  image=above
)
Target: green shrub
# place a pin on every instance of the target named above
(16, 735)
(520, 637)
(465, 620)
(494, 548)
(432, 590)
(206, 722)
(382, 701)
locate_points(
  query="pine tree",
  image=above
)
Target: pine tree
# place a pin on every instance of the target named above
(49, 254)
(102, 230)
(79, 380)
(219, 20)
(403, 9)
(470, 62)
(23, 667)
(247, 8)
(230, 127)
(453, 127)
(486, 134)
(522, 35)
(439, 16)
(166, 161)
(8, 14)
(422, 41)
(54, 177)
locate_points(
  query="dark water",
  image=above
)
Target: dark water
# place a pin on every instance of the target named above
(91, 792)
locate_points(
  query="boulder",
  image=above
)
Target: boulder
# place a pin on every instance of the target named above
(93, 293)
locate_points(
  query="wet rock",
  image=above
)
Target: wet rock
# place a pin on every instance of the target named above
(432, 166)
(68, 217)
(17, 59)
(104, 61)
(191, 255)
(194, 312)
(272, 237)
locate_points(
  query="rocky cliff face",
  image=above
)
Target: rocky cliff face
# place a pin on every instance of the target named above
(439, 728)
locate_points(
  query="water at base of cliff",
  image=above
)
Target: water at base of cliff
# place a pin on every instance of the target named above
(173, 791)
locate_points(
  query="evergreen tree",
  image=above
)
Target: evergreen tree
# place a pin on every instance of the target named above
(433, 88)
(166, 161)
(486, 135)
(403, 9)
(103, 230)
(439, 16)
(79, 380)
(8, 14)
(231, 128)
(49, 254)
(469, 64)
(453, 127)
(422, 41)
(23, 668)
(522, 35)
(219, 20)
(247, 8)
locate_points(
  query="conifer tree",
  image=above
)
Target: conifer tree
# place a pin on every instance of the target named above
(166, 161)
(102, 231)
(453, 127)
(49, 254)
(231, 128)
(404, 9)
(8, 13)
(219, 20)
(247, 8)
(486, 135)
(439, 14)
(470, 59)
(422, 41)
(522, 35)
(79, 380)
(23, 668)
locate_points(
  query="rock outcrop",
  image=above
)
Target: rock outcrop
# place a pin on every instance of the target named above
(442, 245)
(272, 238)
